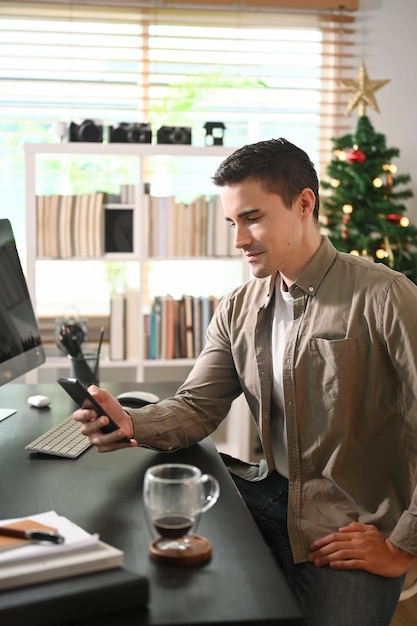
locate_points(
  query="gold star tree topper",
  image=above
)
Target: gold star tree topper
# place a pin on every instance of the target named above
(362, 91)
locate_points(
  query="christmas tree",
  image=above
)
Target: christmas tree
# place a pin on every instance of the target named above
(362, 205)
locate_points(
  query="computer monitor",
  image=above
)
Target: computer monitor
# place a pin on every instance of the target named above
(20, 341)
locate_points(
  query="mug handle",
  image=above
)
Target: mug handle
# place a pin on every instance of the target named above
(211, 491)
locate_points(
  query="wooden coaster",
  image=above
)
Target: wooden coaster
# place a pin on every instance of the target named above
(198, 551)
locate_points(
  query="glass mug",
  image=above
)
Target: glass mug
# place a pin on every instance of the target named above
(175, 495)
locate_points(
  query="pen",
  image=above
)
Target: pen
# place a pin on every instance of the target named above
(37, 535)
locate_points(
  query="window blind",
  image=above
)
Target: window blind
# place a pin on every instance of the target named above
(216, 4)
(263, 73)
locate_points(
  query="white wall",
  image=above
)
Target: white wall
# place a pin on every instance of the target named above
(387, 43)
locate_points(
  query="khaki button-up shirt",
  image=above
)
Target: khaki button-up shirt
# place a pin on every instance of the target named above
(350, 393)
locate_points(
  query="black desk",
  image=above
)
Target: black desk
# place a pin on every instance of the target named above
(103, 493)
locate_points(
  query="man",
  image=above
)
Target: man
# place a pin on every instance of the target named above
(323, 346)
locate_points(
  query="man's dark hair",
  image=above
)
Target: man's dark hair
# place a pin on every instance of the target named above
(277, 164)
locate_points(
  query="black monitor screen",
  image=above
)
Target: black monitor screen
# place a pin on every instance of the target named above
(20, 341)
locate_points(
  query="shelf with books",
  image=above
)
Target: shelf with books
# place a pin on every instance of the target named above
(82, 226)
(149, 219)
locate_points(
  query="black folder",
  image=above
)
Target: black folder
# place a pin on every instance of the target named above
(77, 598)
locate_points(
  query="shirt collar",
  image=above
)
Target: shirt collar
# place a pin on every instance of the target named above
(310, 279)
(312, 276)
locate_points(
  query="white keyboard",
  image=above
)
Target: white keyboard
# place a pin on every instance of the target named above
(63, 439)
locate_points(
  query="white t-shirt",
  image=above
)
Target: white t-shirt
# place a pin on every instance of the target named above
(281, 326)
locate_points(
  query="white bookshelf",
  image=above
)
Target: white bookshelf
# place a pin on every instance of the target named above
(140, 159)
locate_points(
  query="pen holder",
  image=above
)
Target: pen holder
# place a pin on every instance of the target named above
(85, 368)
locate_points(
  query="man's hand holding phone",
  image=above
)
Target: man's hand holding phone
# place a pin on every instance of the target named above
(103, 420)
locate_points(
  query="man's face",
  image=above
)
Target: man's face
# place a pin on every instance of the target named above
(268, 233)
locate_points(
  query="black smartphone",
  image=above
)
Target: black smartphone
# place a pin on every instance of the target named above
(85, 400)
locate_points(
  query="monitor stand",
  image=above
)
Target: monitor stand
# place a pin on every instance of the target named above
(6, 413)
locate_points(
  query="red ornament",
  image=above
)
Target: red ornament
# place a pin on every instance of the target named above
(394, 217)
(356, 156)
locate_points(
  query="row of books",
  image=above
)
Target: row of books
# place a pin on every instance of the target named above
(176, 329)
(70, 225)
(194, 229)
(88, 225)
(173, 328)
(74, 225)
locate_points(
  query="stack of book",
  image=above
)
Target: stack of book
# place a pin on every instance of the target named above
(43, 583)
(23, 562)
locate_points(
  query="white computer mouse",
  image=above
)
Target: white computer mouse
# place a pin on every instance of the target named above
(39, 401)
(136, 399)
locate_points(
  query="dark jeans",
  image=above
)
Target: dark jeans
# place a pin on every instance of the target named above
(327, 597)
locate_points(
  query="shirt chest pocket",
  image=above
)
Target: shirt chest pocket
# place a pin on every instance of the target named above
(333, 365)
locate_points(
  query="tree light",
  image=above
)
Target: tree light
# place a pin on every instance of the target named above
(390, 167)
(347, 208)
(340, 154)
(354, 252)
(335, 182)
(377, 182)
(367, 256)
(381, 254)
(404, 221)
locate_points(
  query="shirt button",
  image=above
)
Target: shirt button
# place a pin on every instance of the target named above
(311, 289)
(289, 402)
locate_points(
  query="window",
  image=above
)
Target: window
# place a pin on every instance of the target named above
(263, 72)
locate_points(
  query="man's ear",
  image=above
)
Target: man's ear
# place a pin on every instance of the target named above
(307, 200)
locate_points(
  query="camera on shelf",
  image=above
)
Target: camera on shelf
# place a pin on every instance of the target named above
(88, 130)
(174, 134)
(130, 133)
(214, 133)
